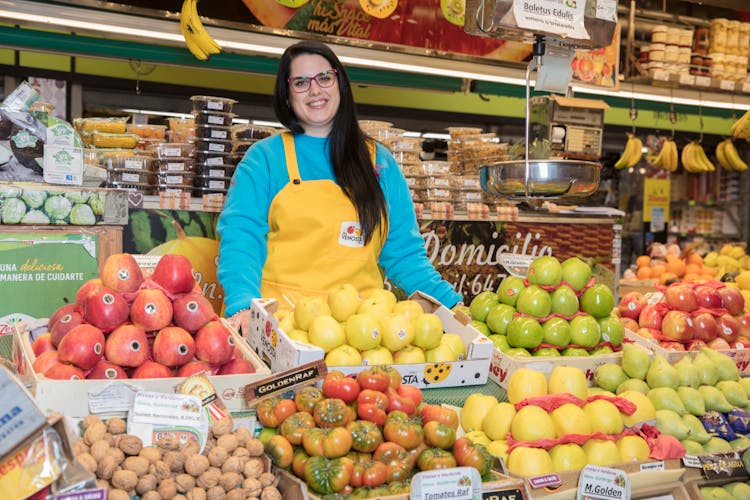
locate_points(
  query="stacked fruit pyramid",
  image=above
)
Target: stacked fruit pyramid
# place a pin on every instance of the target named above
(560, 425)
(125, 325)
(557, 310)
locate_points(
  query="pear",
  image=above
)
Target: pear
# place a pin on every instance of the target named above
(670, 423)
(633, 384)
(692, 447)
(734, 393)
(716, 445)
(664, 398)
(609, 376)
(738, 490)
(714, 399)
(741, 443)
(697, 431)
(725, 366)
(662, 374)
(714, 493)
(692, 400)
(687, 372)
(745, 382)
(635, 361)
(707, 372)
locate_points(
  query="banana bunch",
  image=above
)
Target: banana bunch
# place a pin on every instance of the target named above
(632, 153)
(694, 159)
(197, 39)
(741, 128)
(728, 157)
(668, 159)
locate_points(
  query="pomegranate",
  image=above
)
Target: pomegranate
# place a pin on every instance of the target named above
(42, 343)
(45, 361)
(59, 313)
(63, 325)
(192, 368)
(62, 371)
(236, 366)
(90, 287)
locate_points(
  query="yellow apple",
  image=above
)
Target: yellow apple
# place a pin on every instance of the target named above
(378, 356)
(428, 330)
(397, 331)
(381, 295)
(298, 335)
(375, 307)
(409, 308)
(362, 331)
(441, 354)
(343, 355)
(326, 333)
(307, 308)
(343, 300)
(456, 343)
(287, 323)
(409, 355)
(499, 448)
(281, 313)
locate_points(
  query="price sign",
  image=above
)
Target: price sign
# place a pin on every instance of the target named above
(603, 483)
(687, 79)
(702, 81)
(661, 76)
(458, 483)
(727, 85)
(746, 87)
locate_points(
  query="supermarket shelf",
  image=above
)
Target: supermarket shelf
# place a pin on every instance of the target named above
(708, 236)
(694, 203)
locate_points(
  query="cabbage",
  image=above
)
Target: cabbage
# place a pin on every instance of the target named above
(34, 198)
(57, 207)
(13, 210)
(35, 217)
(82, 215)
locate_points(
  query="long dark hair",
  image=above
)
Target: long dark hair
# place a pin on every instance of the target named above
(352, 164)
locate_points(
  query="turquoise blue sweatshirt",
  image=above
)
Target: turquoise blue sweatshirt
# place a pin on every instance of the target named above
(243, 223)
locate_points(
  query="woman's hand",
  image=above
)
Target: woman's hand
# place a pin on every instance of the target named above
(240, 320)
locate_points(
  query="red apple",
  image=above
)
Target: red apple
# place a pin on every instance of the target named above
(719, 344)
(742, 343)
(107, 371)
(192, 368)
(631, 304)
(62, 371)
(708, 297)
(651, 316)
(63, 325)
(174, 273)
(127, 345)
(678, 325)
(173, 346)
(42, 343)
(151, 310)
(681, 297)
(192, 311)
(151, 369)
(106, 309)
(697, 345)
(629, 324)
(236, 366)
(83, 346)
(45, 361)
(214, 343)
(59, 313)
(672, 346)
(90, 287)
(729, 328)
(744, 320)
(732, 300)
(705, 327)
(121, 273)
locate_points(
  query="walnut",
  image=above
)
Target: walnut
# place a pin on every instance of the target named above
(241, 452)
(210, 444)
(196, 494)
(253, 468)
(115, 494)
(217, 456)
(243, 435)
(195, 465)
(139, 465)
(146, 483)
(89, 463)
(191, 448)
(130, 445)
(124, 479)
(80, 446)
(254, 447)
(175, 460)
(208, 479)
(116, 426)
(160, 469)
(252, 486)
(179, 497)
(185, 482)
(229, 480)
(169, 443)
(111, 439)
(223, 426)
(268, 479)
(106, 468)
(151, 495)
(99, 449)
(270, 493)
(150, 453)
(89, 421)
(237, 494)
(229, 442)
(167, 488)
(94, 433)
(117, 454)
(102, 484)
(216, 493)
(232, 464)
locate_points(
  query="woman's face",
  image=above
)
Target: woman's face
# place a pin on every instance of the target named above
(316, 107)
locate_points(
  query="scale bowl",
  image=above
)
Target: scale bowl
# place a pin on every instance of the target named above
(564, 179)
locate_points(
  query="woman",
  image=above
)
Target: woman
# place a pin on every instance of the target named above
(321, 204)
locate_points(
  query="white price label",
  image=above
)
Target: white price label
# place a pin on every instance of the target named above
(215, 161)
(128, 177)
(661, 76)
(176, 167)
(218, 134)
(727, 85)
(215, 146)
(174, 179)
(216, 185)
(702, 81)
(216, 105)
(215, 120)
(134, 164)
(170, 152)
(216, 173)
(686, 79)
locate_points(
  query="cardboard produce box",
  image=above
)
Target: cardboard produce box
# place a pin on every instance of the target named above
(76, 399)
(275, 347)
(41, 268)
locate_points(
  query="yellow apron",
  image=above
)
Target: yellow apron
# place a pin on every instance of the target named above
(314, 239)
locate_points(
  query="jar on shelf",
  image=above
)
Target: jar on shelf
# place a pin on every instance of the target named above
(656, 52)
(671, 53)
(685, 38)
(684, 55)
(733, 37)
(659, 34)
(717, 65)
(673, 36)
(744, 39)
(717, 41)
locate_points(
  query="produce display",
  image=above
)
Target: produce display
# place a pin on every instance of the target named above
(125, 325)
(34, 205)
(557, 310)
(376, 329)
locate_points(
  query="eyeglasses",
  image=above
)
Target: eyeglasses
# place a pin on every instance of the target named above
(324, 79)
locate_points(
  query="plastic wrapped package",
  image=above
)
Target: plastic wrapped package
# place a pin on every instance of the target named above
(242, 146)
(176, 164)
(407, 144)
(128, 176)
(406, 157)
(468, 197)
(456, 132)
(146, 144)
(217, 170)
(213, 183)
(213, 118)
(212, 132)
(147, 131)
(107, 140)
(198, 192)
(128, 162)
(182, 135)
(466, 182)
(249, 131)
(176, 123)
(112, 125)
(175, 179)
(142, 187)
(31, 467)
(215, 158)
(438, 194)
(436, 168)
(415, 182)
(212, 103)
(438, 182)
(215, 145)
(173, 149)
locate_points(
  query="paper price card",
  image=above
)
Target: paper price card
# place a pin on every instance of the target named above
(603, 483)
(459, 483)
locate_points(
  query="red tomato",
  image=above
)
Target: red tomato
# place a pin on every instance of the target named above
(402, 430)
(411, 392)
(371, 413)
(441, 414)
(396, 402)
(370, 475)
(374, 379)
(338, 386)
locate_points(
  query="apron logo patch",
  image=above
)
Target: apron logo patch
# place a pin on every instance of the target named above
(351, 235)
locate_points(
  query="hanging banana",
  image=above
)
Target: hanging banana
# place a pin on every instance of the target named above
(741, 128)
(667, 157)
(198, 41)
(728, 156)
(632, 153)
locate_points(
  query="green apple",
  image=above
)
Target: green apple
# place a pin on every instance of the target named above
(534, 301)
(564, 301)
(576, 273)
(362, 331)
(605, 349)
(524, 332)
(612, 330)
(546, 351)
(428, 330)
(519, 352)
(343, 355)
(545, 270)
(378, 356)
(556, 331)
(409, 355)
(456, 343)
(441, 354)
(481, 304)
(409, 308)
(396, 331)
(326, 333)
(574, 351)
(308, 308)
(509, 289)
(343, 301)
(584, 331)
(298, 335)
(598, 301)
(499, 318)
(481, 327)
(500, 341)
(462, 309)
